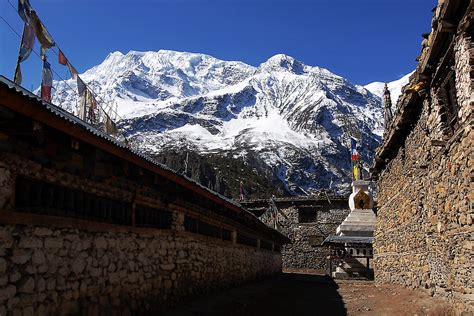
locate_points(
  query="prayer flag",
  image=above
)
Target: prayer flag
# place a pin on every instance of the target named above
(110, 127)
(72, 70)
(27, 43)
(91, 105)
(355, 160)
(81, 89)
(24, 10)
(242, 191)
(355, 172)
(28, 15)
(42, 33)
(62, 59)
(81, 86)
(354, 152)
(46, 82)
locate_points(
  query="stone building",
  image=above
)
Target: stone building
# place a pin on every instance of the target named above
(88, 226)
(307, 221)
(424, 167)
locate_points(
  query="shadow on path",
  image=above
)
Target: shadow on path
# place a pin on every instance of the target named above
(288, 294)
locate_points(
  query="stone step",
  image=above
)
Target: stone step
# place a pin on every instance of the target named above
(362, 233)
(350, 223)
(356, 221)
(364, 213)
(361, 218)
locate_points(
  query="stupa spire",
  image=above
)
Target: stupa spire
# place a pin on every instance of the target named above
(387, 101)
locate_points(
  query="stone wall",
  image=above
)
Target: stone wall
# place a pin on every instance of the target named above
(305, 250)
(86, 231)
(424, 228)
(62, 271)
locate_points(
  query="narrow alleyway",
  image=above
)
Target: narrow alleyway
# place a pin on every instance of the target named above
(310, 294)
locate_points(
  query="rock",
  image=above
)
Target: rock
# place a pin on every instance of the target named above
(114, 278)
(12, 303)
(26, 285)
(31, 269)
(7, 292)
(3, 266)
(6, 239)
(111, 267)
(100, 243)
(105, 261)
(52, 242)
(78, 266)
(64, 271)
(141, 257)
(28, 242)
(132, 277)
(38, 257)
(3, 280)
(167, 267)
(14, 277)
(43, 268)
(95, 272)
(20, 256)
(42, 231)
(168, 284)
(28, 311)
(40, 284)
(83, 287)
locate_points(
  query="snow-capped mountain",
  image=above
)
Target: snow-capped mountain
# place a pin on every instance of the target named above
(140, 77)
(284, 124)
(395, 87)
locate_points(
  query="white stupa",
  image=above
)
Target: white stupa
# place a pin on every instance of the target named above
(361, 220)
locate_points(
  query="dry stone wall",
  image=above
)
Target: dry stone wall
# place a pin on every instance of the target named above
(424, 234)
(52, 264)
(305, 250)
(61, 271)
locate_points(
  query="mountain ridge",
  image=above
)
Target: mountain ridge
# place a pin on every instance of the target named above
(284, 121)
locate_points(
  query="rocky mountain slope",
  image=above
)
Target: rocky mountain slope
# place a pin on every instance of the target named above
(281, 128)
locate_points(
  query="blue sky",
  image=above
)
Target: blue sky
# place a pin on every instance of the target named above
(362, 40)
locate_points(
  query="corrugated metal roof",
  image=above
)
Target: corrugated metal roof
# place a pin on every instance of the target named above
(64, 115)
(77, 121)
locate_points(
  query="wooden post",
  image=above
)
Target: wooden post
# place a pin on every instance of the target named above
(330, 265)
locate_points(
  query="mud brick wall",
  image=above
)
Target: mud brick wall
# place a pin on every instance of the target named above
(424, 234)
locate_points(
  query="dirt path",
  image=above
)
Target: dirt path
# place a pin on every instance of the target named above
(306, 294)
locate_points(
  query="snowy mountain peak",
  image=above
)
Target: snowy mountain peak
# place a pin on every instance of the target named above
(114, 55)
(285, 121)
(395, 87)
(282, 62)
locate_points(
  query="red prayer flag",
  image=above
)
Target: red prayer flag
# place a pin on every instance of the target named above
(46, 82)
(46, 93)
(61, 58)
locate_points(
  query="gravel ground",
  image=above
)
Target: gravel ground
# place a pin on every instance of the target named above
(314, 294)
